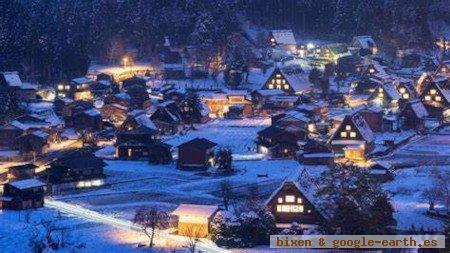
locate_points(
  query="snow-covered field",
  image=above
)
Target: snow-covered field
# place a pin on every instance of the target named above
(406, 191)
(239, 135)
(134, 184)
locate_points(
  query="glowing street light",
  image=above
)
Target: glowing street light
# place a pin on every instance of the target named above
(310, 46)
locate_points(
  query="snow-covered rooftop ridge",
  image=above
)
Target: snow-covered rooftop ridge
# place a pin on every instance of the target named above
(145, 120)
(204, 211)
(27, 183)
(92, 112)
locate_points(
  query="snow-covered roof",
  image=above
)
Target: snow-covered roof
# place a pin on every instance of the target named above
(12, 79)
(291, 99)
(40, 134)
(299, 81)
(204, 211)
(365, 42)
(92, 112)
(284, 37)
(271, 92)
(419, 109)
(391, 90)
(27, 183)
(144, 120)
(81, 80)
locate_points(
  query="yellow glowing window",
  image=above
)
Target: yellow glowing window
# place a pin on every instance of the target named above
(284, 81)
(438, 98)
(278, 75)
(352, 134)
(427, 98)
(286, 87)
(67, 87)
(130, 152)
(405, 96)
(402, 90)
(432, 91)
(270, 86)
(278, 81)
(343, 134)
(280, 200)
(290, 198)
(380, 89)
(60, 87)
(348, 127)
(297, 209)
(299, 200)
(372, 71)
(279, 87)
(380, 95)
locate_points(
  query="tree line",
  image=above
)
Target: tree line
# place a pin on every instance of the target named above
(52, 40)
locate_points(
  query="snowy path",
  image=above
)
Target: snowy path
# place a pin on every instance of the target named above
(203, 244)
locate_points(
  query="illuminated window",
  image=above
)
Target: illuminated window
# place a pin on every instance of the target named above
(438, 98)
(427, 98)
(270, 86)
(290, 208)
(286, 87)
(130, 152)
(290, 198)
(432, 91)
(278, 81)
(278, 75)
(380, 89)
(371, 71)
(344, 134)
(352, 134)
(309, 211)
(279, 87)
(67, 87)
(299, 200)
(284, 81)
(402, 90)
(60, 87)
(348, 127)
(406, 96)
(280, 200)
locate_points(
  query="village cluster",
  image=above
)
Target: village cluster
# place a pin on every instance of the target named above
(320, 104)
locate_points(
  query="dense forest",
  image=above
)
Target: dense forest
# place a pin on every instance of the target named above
(50, 40)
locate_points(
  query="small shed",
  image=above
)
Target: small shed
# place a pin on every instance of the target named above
(194, 220)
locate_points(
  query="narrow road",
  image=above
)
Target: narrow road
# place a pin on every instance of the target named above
(203, 245)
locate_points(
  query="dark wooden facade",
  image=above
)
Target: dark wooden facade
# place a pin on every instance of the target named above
(23, 194)
(289, 204)
(72, 168)
(280, 142)
(195, 154)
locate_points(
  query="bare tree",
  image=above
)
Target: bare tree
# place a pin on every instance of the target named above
(193, 233)
(226, 192)
(151, 219)
(431, 195)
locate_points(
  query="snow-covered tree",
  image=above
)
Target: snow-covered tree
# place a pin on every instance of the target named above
(355, 201)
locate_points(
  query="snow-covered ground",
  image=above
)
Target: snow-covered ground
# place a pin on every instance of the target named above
(406, 190)
(80, 235)
(130, 185)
